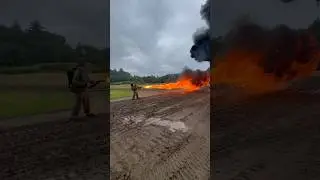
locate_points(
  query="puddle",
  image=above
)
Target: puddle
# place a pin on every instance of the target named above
(172, 125)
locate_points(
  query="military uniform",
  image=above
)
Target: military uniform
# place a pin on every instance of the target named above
(134, 89)
(80, 83)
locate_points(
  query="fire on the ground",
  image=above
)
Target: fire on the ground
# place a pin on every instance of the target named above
(188, 81)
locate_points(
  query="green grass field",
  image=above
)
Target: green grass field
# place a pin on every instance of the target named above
(120, 91)
(28, 94)
(20, 103)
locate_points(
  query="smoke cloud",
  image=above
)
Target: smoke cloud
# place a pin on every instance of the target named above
(198, 78)
(280, 48)
(200, 51)
(262, 59)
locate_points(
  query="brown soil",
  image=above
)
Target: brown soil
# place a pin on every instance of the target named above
(56, 150)
(49, 147)
(157, 137)
(161, 137)
(274, 136)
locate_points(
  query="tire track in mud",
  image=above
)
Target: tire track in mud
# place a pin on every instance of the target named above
(48, 149)
(129, 107)
(140, 150)
(273, 131)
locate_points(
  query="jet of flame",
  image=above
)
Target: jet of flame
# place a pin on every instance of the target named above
(189, 81)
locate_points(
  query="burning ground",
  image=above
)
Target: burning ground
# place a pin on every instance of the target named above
(255, 59)
(194, 80)
(254, 137)
(167, 136)
(262, 60)
(188, 81)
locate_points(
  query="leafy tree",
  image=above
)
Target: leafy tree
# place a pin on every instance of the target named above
(36, 45)
(35, 26)
(121, 75)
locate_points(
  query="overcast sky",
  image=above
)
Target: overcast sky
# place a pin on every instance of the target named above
(149, 36)
(154, 36)
(297, 14)
(78, 20)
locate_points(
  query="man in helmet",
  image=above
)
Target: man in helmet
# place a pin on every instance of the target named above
(79, 87)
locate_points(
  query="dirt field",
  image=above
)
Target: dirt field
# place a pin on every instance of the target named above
(166, 136)
(57, 149)
(274, 137)
(161, 137)
(48, 146)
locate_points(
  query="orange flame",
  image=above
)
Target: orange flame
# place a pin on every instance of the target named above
(241, 68)
(183, 83)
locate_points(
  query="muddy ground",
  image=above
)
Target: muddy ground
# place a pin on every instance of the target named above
(272, 136)
(55, 150)
(49, 147)
(161, 137)
(158, 137)
(275, 136)
(167, 136)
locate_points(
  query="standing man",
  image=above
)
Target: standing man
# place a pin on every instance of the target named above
(79, 87)
(134, 89)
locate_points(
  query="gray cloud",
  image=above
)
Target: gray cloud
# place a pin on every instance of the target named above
(78, 20)
(154, 37)
(150, 37)
(296, 14)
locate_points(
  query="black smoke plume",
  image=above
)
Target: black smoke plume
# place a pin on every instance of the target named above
(198, 77)
(200, 51)
(279, 47)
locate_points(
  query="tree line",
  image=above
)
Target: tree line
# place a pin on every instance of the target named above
(36, 45)
(121, 76)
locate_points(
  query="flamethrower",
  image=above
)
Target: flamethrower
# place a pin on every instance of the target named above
(95, 83)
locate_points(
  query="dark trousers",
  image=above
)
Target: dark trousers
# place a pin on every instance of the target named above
(135, 95)
(81, 99)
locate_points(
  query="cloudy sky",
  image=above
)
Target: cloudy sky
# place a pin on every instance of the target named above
(297, 14)
(154, 36)
(78, 20)
(149, 36)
